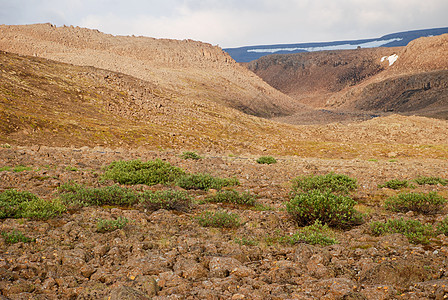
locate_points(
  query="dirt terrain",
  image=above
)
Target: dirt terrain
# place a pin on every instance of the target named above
(74, 100)
(168, 255)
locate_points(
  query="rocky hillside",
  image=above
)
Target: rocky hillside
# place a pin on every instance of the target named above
(47, 103)
(407, 80)
(191, 69)
(312, 75)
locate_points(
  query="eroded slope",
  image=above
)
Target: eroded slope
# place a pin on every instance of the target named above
(193, 69)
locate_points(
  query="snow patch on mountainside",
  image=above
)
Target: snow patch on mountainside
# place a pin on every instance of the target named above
(393, 58)
(372, 44)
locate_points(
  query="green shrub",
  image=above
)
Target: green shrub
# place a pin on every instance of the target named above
(442, 227)
(190, 155)
(75, 195)
(138, 172)
(204, 182)
(396, 184)
(23, 204)
(422, 180)
(419, 202)
(331, 209)
(316, 234)
(104, 225)
(266, 160)
(15, 236)
(5, 168)
(220, 219)
(414, 230)
(171, 200)
(335, 183)
(5, 145)
(233, 197)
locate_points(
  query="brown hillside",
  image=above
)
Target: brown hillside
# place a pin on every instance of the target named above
(192, 69)
(353, 83)
(311, 77)
(43, 102)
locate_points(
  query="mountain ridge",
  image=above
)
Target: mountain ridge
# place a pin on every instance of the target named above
(250, 53)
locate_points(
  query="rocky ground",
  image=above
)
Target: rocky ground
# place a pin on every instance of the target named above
(168, 255)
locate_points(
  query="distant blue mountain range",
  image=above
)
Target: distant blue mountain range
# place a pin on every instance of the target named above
(249, 53)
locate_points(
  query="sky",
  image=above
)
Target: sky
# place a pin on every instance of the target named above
(234, 23)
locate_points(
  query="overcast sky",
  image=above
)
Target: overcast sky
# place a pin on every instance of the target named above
(233, 23)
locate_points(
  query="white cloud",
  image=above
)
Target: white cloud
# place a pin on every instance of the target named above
(234, 23)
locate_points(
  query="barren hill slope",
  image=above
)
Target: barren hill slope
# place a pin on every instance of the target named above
(43, 102)
(192, 69)
(365, 80)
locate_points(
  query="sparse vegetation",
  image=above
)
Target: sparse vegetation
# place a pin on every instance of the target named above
(245, 241)
(334, 183)
(103, 225)
(21, 168)
(266, 160)
(138, 172)
(23, 204)
(16, 169)
(15, 236)
(219, 219)
(315, 234)
(5, 146)
(75, 195)
(171, 200)
(396, 184)
(71, 168)
(328, 208)
(422, 180)
(419, 202)
(233, 197)
(190, 155)
(204, 182)
(414, 230)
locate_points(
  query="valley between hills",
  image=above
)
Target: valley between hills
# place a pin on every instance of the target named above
(74, 102)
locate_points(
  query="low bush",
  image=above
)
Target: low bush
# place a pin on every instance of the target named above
(23, 204)
(15, 236)
(414, 230)
(442, 227)
(171, 200)
(328, 208)
(138, 172)
(233, 197)
(335, 183)
(5, 168)
(75, 195)
(396, 184)
(190, 155)
(104, 225)
(419, 202)
(266, 160)
(316, 234)
(422, 180)
(204, 182)
(219, 219)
